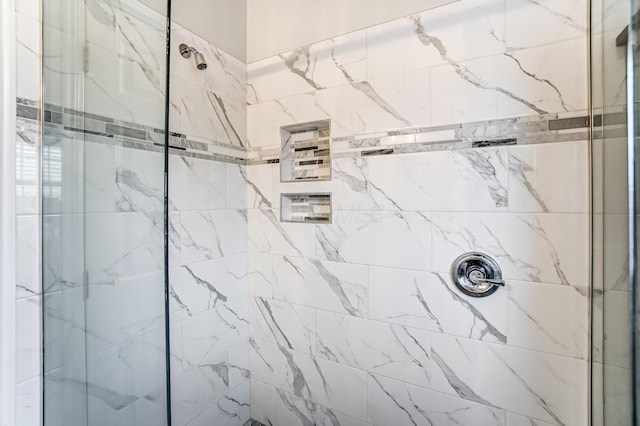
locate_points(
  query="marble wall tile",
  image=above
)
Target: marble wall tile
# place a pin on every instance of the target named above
(123, 244)
(259, 187)
(466, 180)
(333, 286)
(291, 410)
(350, 186)
(562, 19)
(398, 403)
(196, 391)
(330, 384)
(237, 192)
(388, 350)
(139, 301)
(28, 182)
(139, 180)
(540, 248)
(290, 326)
(196, 184)
(536, 171)
(64, 402)
(534, 384)
(120, 376)
(261, 275)
(517, 420)
(28, 51)
(395, 239)
(28, 256)
(29, 402)
(202, 286)
(231, 410)
(205, 114)
(429, 301)
(211, 234)
(28, 338)
(139, 411)
(268, 235)
(208, 335)
(431, 38)
(265, 119)
(64, 322)
(537, 319)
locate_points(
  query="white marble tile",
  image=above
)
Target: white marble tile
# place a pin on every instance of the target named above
(239, 363)
(208, 335)
(64, 321)
(291, 326)
(261, 361)
(64, 402)
(534, 384)
(28, 53)
(28, 256)
(549, 248)
(104, 179)
(237, 191)
(265, 119)
(268, 235)
(139, 181)
(549, 178)
(333, 286)
(29, 402)
(261, 276)
(122, 245)
(259, 187)
(64, 241)
(206, 114)
(195, 391)
(64, 70)
(616, 349)
(538, 316)
(391, 402)
(332, 385)
(139, 98)
(28, 338)
(432, 38)
(142, 410)
(30, 8)
(535, 79)
(263, 408)
(231, 410)
(400, 239)
(517, 420)
(122, 375)
(293, 411)
(211, 234)
(202, 286)
(350, 183)
(386, 349)
(196, 184)
(562, 20)
(28, 169)
(466, 180)
(430, 301)
(139, 302)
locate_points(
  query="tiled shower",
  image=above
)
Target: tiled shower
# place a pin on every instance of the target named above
(321, 295)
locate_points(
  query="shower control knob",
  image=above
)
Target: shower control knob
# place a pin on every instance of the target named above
(476, 274)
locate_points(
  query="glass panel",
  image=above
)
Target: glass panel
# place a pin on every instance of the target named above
(611, 348)
(103, 213)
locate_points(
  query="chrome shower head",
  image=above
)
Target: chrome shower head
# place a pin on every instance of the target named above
(198, 57)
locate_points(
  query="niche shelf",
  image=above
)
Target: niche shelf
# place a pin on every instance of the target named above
(306, 152)
(305, 208)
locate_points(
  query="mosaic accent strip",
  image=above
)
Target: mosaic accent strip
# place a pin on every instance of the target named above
(524, 130)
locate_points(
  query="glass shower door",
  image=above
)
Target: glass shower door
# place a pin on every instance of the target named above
(616, 171)
(104, 66)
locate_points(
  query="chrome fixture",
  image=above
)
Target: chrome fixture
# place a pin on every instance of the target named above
(198, 57)
(476, 274)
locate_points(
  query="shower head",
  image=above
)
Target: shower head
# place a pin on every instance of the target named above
(198, 57)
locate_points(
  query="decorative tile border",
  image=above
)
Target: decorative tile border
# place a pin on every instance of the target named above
(64, 122)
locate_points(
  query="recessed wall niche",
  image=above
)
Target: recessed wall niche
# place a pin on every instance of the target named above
(306, 152)
(305, 208)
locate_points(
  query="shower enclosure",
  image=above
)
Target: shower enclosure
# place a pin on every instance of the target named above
(103, 205)
(113, 234)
